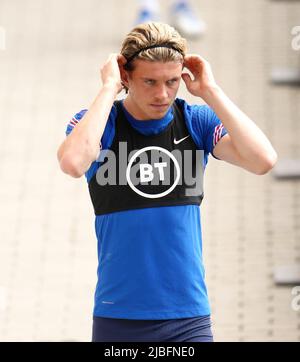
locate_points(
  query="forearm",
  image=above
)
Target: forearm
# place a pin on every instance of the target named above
(81, 147)
(247, 138)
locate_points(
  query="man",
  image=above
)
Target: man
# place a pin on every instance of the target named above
(143, 158)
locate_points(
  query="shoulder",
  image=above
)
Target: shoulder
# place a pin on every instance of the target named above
(196, 118)
(192, 110)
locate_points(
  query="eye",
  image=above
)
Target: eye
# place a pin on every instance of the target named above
(172, 82)
(149, 81)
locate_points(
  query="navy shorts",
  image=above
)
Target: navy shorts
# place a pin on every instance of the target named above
(196, 329)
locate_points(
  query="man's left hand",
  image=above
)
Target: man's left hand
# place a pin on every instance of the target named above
(203, 80)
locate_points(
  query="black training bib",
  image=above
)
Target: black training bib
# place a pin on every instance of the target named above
(141, 171)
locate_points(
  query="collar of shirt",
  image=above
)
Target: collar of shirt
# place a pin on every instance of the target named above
(149, 127)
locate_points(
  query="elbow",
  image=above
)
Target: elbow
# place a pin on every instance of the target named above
(267, 164)
(69, 166)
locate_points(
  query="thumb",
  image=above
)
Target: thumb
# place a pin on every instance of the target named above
(187, 78)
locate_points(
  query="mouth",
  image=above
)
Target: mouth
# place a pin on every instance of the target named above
(159, 106)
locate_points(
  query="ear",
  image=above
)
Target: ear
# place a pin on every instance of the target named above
(123, 73)
(124, 76)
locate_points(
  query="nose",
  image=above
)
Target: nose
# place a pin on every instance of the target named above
(162, 92)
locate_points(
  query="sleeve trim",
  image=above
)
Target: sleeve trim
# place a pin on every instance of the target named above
(224, 133)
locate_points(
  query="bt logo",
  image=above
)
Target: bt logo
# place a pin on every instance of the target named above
(147, 175)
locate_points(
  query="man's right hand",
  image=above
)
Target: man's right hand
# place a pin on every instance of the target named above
(81, 147)
(110, 71)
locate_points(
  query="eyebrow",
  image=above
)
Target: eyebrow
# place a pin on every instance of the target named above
(148, 78)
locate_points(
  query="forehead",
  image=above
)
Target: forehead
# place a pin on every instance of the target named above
(150, 69)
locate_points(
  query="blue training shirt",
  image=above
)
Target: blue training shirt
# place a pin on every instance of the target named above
(150, 260)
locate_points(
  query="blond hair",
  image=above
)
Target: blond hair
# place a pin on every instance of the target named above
(153, 34)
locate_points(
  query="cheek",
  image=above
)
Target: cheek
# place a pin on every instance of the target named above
(143, 93)
(173, 91)
(138, 90)
(140, 95)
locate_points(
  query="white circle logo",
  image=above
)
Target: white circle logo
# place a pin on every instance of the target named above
(162, 194)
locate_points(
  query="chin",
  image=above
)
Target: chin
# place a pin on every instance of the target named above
(159, 113)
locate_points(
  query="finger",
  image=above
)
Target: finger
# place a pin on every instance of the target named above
(195, 67)
(108, 60)
(112, 56)
(191, 63)
(190, 57)
(187, 78)
(194, 62)
(198, 57)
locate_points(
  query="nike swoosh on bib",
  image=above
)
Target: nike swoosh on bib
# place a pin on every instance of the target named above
(182, 139)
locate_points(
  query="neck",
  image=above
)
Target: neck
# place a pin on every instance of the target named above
(138, 115)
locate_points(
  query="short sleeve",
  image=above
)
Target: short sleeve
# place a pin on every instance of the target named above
(214, 130)
(204, 126)
(104, 143)
(74, 121)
